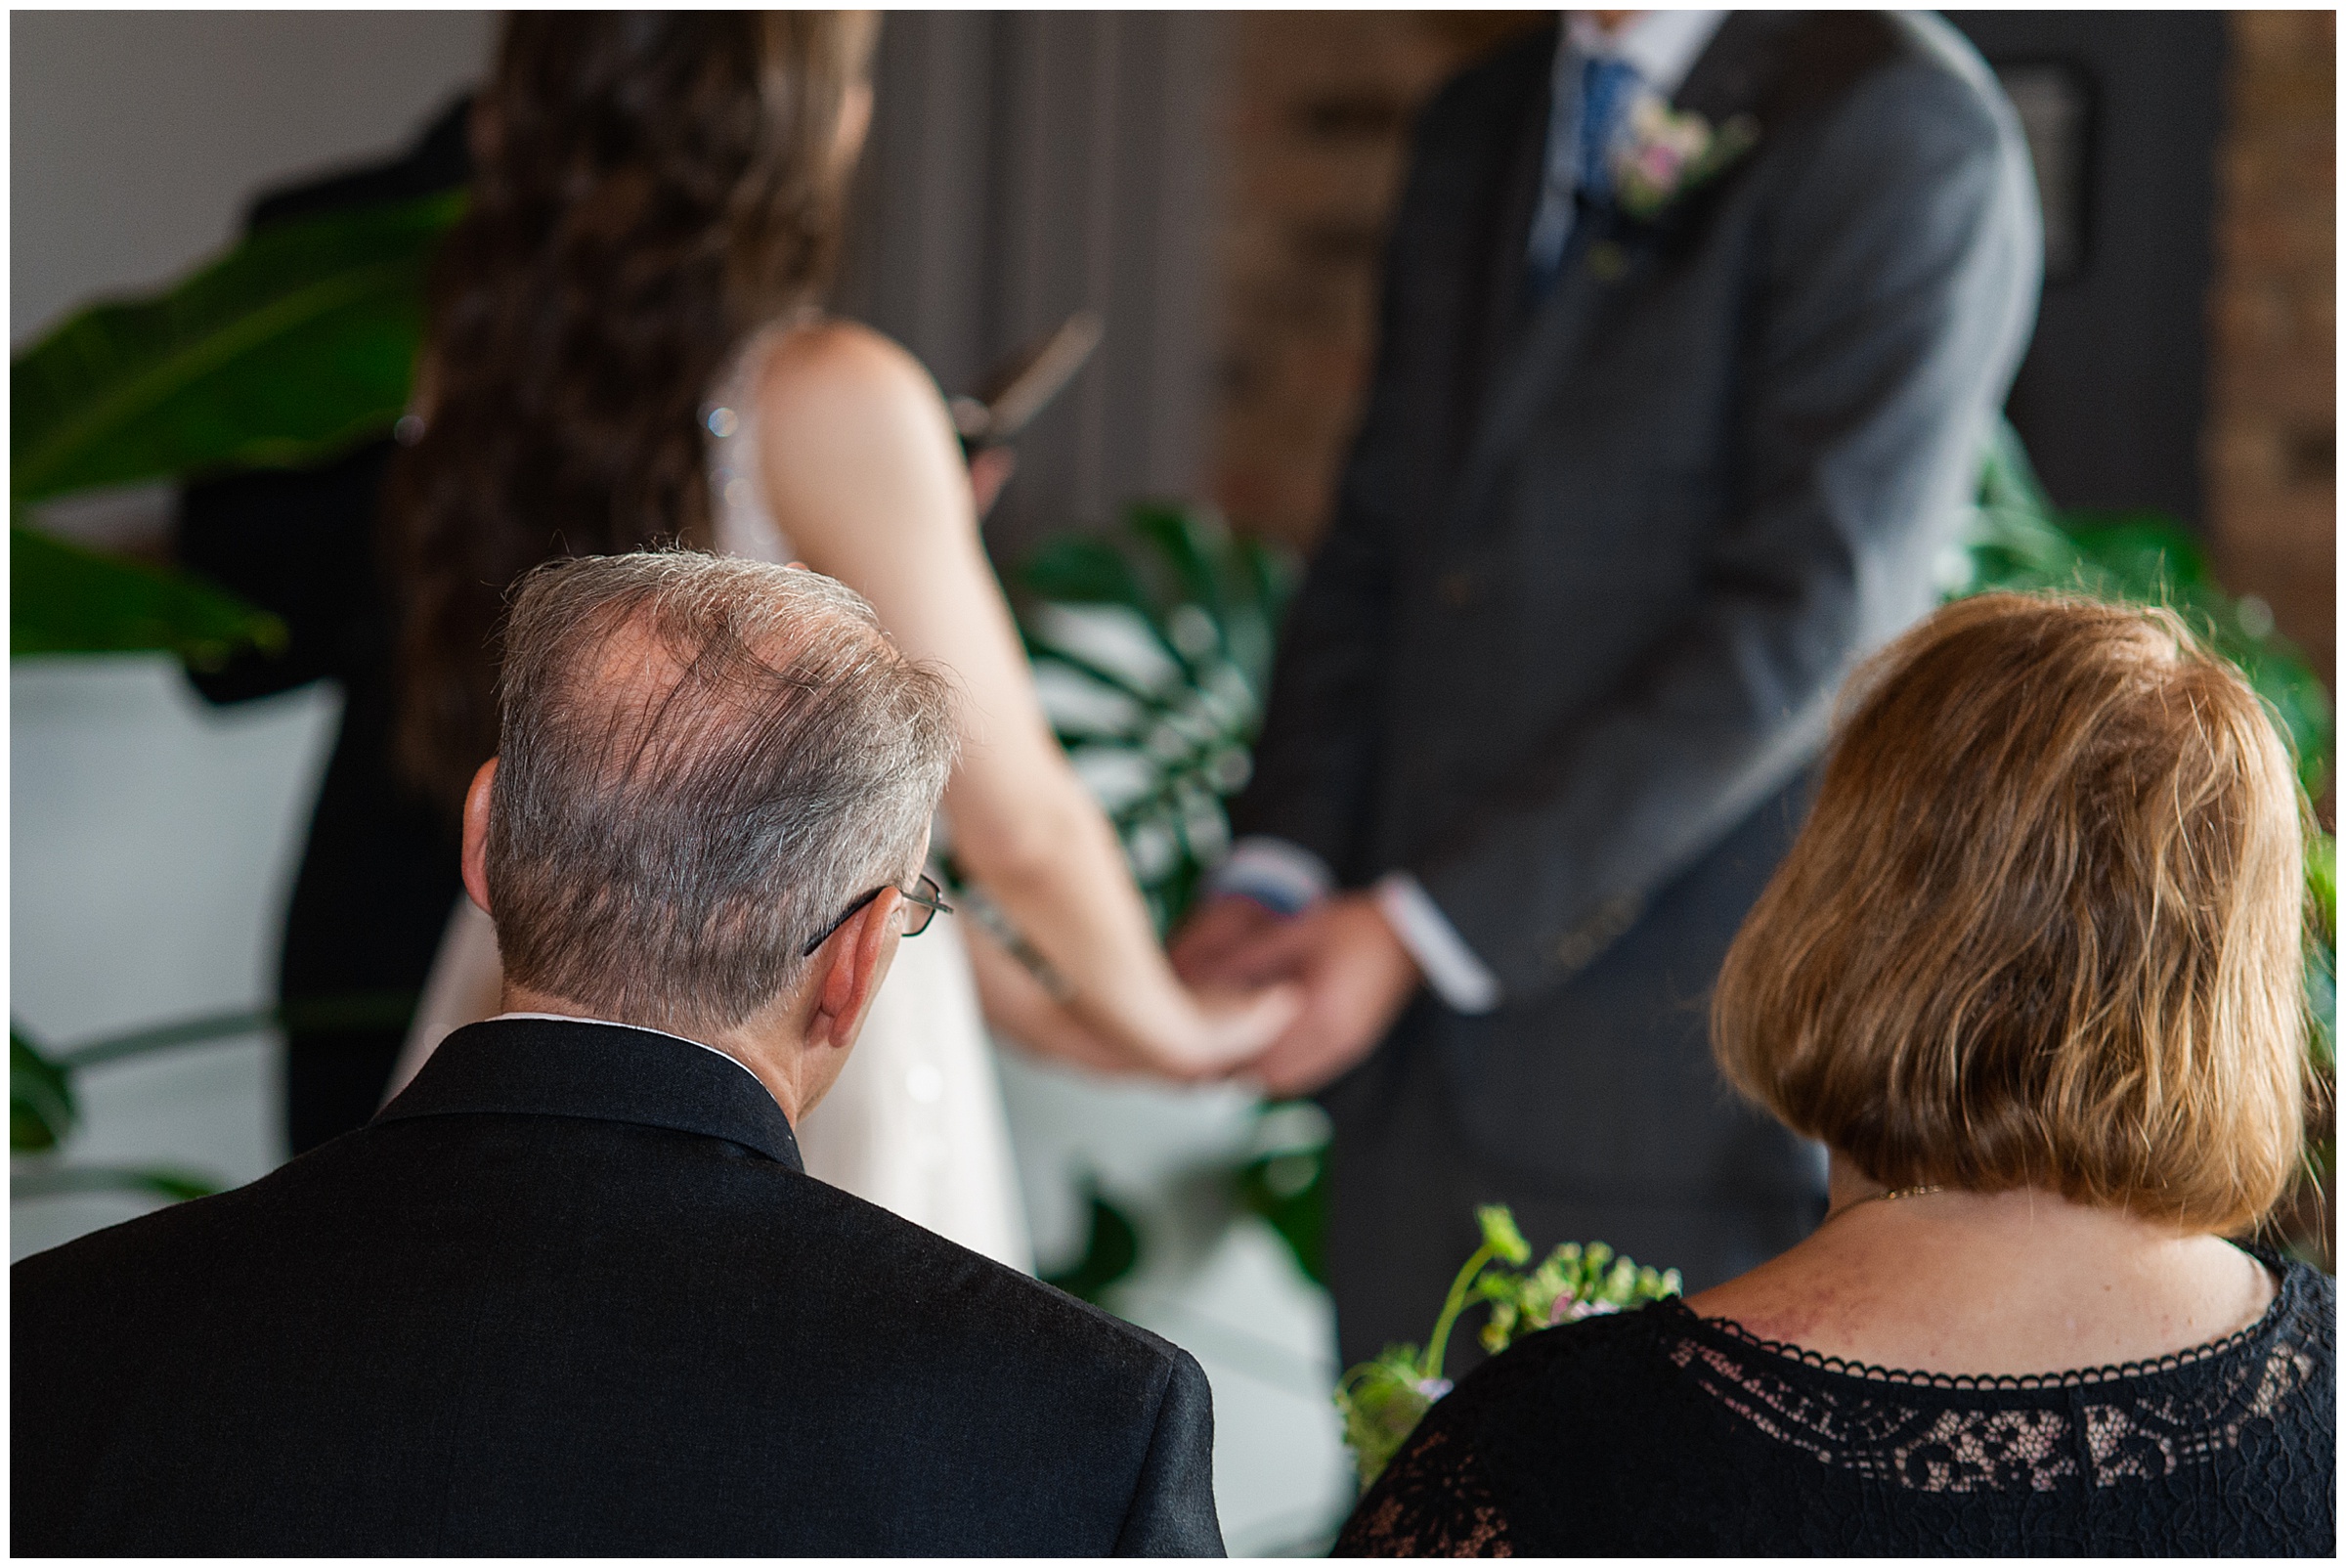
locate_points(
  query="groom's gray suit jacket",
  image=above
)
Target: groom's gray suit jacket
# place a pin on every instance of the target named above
(1596, 567)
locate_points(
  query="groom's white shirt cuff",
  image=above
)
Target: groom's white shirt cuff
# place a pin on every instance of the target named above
(1288, 878)
(1451, 968)
(1284, 877)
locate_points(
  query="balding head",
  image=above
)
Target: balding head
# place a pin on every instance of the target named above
(702, 761)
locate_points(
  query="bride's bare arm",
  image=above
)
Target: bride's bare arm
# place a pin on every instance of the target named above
(864, 476)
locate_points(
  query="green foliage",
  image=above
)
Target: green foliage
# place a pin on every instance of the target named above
(1572, 1282)
(298, 341)
(1112, 1250)
(44, 1111)
(1289, 1190)
(41, 1112)
(1382, 1400)
(63, 598)
(1500, 1238)
(1151, 650)
(1284, 1180)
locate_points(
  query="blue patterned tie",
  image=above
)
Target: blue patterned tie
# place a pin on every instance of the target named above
(1608, 87)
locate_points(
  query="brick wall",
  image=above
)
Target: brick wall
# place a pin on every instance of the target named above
(2269, 446)
(1320, 110)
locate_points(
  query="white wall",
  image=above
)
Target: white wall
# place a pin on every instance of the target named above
(151, 843)
(136, 137)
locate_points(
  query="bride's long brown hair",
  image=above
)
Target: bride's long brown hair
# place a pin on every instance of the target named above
(651, 187)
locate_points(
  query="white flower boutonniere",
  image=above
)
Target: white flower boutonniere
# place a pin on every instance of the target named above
(1666, 153)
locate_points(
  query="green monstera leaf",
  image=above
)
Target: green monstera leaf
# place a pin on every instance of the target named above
(1151, 651)
(42, 1115)
(298, 341)
(1111, 1250)
(41, 1110)
(140, 1180)
(63, 598)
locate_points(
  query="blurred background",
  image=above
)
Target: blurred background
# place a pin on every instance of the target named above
(1217, 187)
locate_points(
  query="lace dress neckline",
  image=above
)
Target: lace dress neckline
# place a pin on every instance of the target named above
(2267, 1324)
(1663, 1433)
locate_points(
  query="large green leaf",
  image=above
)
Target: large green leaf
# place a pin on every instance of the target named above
(63, 598)
(299, 340)
(41, 1112)
(1084, 569)
(1111, 1250)
(1289, 1190)
(1152, 644)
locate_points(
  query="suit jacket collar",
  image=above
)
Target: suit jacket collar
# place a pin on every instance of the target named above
(1781, 65)
(1732, 76)
(1504, 319)
(600, 1072)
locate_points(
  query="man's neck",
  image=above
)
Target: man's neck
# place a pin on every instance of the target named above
(774, 1062)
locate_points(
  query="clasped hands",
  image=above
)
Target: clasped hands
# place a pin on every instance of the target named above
(1288, 1002)
(1346, 970)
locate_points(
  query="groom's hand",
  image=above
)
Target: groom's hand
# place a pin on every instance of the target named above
(1221, 944)
(1356, 978)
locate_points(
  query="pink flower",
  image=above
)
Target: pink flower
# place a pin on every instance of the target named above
(1665, 153)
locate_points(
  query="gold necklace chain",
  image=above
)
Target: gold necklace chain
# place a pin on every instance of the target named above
(1893, 1193)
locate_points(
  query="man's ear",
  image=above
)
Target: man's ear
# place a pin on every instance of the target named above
(476, 836)
(849, 968)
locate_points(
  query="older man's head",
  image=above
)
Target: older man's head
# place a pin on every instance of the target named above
(703, 761)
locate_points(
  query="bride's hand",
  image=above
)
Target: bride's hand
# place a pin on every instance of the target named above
(1199, 1034)
(1231, 1027)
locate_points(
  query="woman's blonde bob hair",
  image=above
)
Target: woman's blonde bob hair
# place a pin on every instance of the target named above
(2045, 926)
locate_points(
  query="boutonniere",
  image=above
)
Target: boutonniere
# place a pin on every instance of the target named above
(1666, 154)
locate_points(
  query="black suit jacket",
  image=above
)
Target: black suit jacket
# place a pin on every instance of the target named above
(1596, 567)
(572, 1292)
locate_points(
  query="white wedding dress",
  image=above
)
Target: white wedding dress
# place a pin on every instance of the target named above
(914, 1123)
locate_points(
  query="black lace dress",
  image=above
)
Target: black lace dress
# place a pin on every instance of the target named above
(1661, 1432)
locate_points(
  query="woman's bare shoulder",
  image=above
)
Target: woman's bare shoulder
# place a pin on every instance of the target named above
(831, 368)
(854, 442)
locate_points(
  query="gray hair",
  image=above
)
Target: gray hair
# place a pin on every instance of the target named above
(702, 761)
